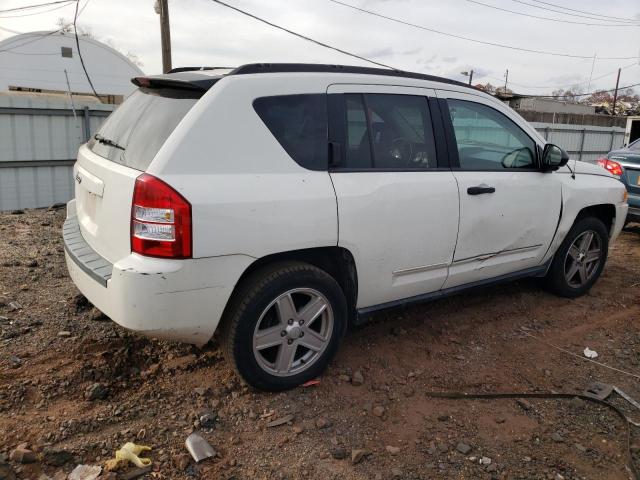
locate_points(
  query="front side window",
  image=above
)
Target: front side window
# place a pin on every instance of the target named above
(488, 140)
(386, 131)
(299, 124)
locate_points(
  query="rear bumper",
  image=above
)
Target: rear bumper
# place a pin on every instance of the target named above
(633, 215)
(634, 207)
(180, 300)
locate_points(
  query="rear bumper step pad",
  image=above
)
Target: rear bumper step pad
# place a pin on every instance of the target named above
(83, 255)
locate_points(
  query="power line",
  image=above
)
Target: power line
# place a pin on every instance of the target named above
(299, 35)
(68, 3)
(40, 36)
(469, 39)
(553, 19)
(96, 44)
(10, 31)
(564, 86)
(34, 6)
(565, 13)
(75, 31)
(578, 94)
(589, 13)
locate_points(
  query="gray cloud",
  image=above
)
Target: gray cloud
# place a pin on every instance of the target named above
(379, 53)
(412, 51)
(204, 33)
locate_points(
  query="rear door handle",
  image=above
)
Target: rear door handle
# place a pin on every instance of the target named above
(480, 189)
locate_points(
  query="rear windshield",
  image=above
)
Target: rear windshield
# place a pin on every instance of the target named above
(135, 131)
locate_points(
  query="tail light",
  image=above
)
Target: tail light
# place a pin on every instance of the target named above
(160, 220)
(613, 167)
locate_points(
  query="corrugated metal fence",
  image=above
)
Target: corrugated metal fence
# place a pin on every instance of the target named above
(582, 142)
(39, 139)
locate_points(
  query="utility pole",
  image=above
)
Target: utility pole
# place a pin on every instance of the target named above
(468, 74)
(162, 8)
(506, 79)
(615, 94)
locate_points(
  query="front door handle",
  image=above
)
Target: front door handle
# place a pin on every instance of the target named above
(480, 189)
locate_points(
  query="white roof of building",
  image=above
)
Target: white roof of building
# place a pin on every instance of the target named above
(35, 60)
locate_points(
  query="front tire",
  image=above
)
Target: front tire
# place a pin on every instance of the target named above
(284, 325)
(579, 261)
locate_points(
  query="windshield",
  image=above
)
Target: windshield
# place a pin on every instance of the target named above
(135, 131)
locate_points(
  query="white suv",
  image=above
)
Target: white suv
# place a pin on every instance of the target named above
(280, 203)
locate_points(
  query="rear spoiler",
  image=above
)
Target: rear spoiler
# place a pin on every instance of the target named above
(186, 80)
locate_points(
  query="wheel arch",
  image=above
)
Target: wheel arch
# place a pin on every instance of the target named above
(336, 261)
(605, 212)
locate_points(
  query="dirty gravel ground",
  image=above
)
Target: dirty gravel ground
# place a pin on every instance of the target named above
(158, 392)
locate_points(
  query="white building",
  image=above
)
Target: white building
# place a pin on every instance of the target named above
(37, 61)
(41, 126)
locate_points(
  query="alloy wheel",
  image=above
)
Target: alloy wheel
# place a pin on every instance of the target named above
(583, 259)
(293, 332)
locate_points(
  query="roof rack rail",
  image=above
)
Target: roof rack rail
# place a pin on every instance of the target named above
(253, 68)
(195, 69)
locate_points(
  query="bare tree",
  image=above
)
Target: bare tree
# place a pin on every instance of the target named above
(571, 94)
(64, 26)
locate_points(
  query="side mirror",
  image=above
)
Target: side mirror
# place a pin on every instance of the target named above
(553, 157)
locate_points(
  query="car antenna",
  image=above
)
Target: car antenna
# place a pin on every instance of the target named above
(573, 173)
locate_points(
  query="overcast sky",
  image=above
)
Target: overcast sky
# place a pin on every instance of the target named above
(205, 33)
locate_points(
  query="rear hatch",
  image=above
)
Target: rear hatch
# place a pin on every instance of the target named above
(120, 151)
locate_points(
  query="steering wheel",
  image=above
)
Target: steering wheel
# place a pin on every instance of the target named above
(402, 148)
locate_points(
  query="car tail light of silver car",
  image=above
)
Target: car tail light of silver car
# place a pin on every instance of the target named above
(160, 220)
(613, 167)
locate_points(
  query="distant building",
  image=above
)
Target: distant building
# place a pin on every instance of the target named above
(36, 62)
(549, 105)
(632, 132)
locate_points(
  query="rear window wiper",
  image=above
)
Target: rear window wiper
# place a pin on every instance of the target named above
(107, 141)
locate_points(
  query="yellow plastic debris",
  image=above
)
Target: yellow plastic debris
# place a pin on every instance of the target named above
(128, 453)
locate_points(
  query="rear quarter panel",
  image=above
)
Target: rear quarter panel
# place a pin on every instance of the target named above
(248, 195)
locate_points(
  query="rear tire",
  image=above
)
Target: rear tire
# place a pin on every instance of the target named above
(284, 325)
(579, 261)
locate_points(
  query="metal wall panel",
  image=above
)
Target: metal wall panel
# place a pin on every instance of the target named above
(582, 142)
(31, 187)
(39, 140)
(39, 137)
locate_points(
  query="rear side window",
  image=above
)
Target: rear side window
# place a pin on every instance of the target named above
(299, 124)
(135, 131)
(387, 131)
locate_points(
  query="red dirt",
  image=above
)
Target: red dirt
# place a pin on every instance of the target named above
(470, 343)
